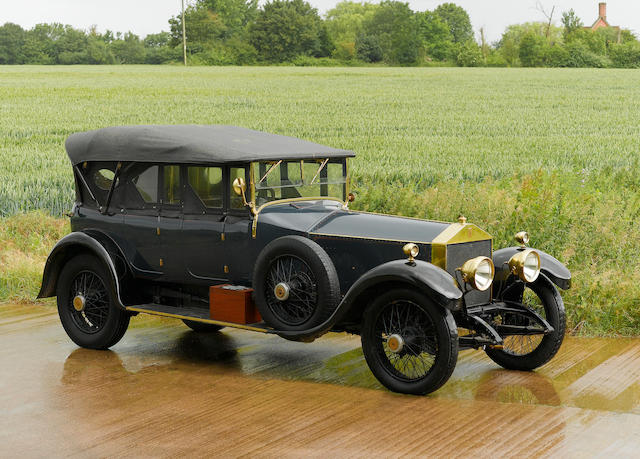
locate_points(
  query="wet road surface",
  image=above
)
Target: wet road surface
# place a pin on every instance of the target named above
(167, 391)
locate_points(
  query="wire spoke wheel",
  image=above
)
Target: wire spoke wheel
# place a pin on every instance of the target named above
(91, 309)
(407, 344)
(525, 344)
(528, 352)
(298, 301)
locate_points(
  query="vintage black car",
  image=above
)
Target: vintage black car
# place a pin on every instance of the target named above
(168, 217)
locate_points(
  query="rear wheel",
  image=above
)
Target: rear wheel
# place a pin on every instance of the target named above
(528, 352)
(201, 327)
(410, 344)
(87, 309)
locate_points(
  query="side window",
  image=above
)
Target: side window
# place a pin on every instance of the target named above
(206, 182)
(235, 200)
(103, 179)
(171, 185)
(147, 184)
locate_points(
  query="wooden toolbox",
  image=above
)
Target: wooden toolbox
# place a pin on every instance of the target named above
(232, 303)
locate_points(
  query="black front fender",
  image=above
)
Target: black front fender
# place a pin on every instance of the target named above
(69, 246)
(433, 281)
(549, 266)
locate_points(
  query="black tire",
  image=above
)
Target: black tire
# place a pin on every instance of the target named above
(102, 323)
(529, 353)
(201, 327)
(309, 274)
(430, 342)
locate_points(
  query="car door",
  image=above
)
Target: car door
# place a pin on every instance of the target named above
(202, 237)
(141, 217)
(237, 254)
(170, 220)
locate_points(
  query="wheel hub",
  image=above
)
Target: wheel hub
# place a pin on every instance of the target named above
(395, 343)
(281, 291)
(79, 302)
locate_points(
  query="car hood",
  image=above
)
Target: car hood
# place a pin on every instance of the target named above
(364, 225)
(329, 218)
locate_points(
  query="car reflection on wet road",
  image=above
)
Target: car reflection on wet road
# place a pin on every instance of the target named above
(167, 391)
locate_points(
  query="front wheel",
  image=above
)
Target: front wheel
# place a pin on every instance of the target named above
(528, 352)
(409, 343)
(87, 309)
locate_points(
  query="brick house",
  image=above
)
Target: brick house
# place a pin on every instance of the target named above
(602, 20)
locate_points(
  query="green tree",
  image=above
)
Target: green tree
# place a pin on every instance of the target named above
(458, 21)
(128, 50)
(435, 35)
(12, 40)
(626, 55)
(368, 49)
(235, 14)
(469, 55)
(532, 48)
(203, 28)
(571, 22)
(285, 29)
(396, 29)
(344, 21)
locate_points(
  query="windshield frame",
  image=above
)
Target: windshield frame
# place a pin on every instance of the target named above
(255, 178)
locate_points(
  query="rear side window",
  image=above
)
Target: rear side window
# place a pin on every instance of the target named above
(206, 182)
(147, 184)
(171, 185)
(103, 179)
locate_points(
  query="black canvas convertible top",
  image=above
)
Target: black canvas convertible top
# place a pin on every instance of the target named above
(191, 144)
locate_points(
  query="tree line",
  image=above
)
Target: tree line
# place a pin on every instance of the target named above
(240, 32)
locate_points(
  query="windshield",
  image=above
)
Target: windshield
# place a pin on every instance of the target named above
(295, 179)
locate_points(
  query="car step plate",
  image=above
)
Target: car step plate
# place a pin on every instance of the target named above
(194, 314)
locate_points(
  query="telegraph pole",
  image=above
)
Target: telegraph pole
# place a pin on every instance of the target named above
(184, 37)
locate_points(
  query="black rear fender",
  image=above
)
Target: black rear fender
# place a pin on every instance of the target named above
(549, 266)
(75, 244)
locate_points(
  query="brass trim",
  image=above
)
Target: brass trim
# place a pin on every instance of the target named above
(522, 238)
(252, 184)
(455, 234)
(222, 236)
(79, 303)
(411, 250)
(161, 262)
(197, 319)
(226, 269)
(257, 211)
(470, 268)
(158, 231)
(516, 264)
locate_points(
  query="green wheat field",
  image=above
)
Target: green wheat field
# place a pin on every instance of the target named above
(555, 152)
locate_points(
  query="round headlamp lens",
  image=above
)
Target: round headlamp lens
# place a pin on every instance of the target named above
(484, 275)
(526, 265)
(531, 268)
(478, 272)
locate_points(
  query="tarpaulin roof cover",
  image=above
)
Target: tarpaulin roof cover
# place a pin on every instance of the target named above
(191, 144)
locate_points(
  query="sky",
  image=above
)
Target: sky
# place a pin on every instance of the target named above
(150, 16)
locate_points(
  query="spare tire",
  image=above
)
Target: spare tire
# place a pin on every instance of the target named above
(295, 284)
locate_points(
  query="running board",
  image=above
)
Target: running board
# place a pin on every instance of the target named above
(195, 315)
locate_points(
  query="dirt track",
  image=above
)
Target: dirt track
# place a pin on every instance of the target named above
(167, 391)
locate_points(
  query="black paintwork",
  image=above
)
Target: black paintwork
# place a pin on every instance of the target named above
(171, 254)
